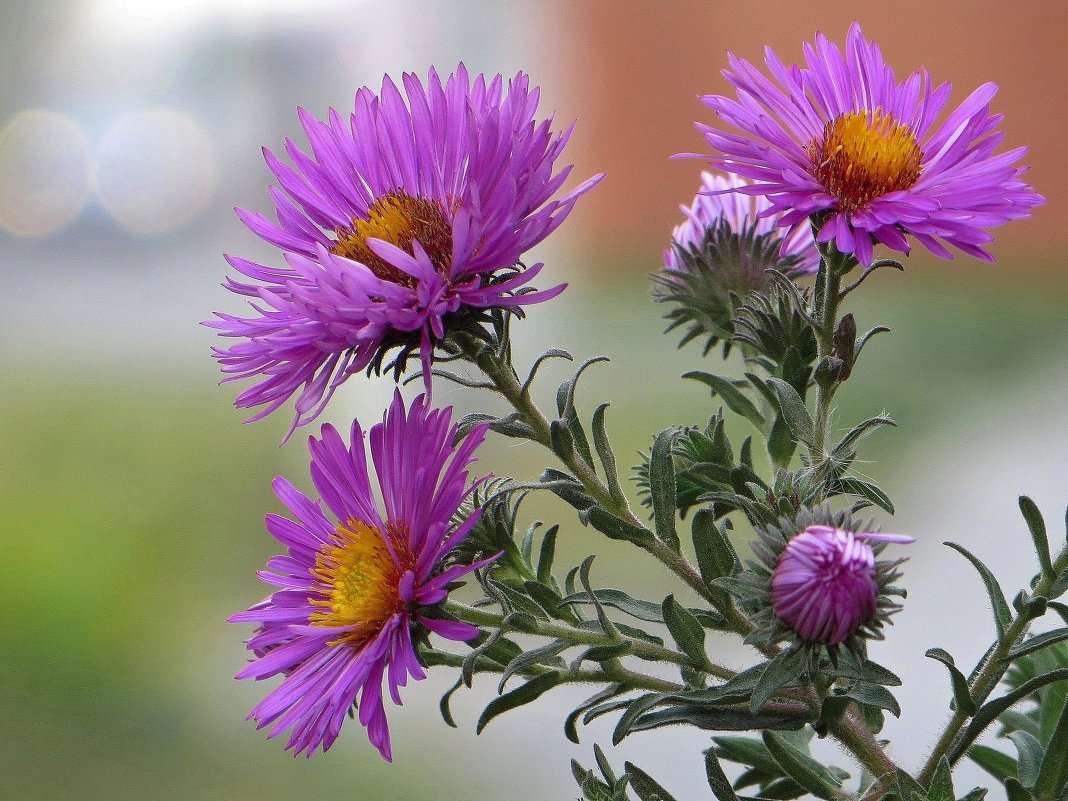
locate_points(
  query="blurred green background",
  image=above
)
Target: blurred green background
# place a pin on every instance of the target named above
(133, 497)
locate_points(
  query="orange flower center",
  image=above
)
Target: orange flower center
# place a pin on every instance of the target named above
(360, 582)
(863, 155)
(400, 219)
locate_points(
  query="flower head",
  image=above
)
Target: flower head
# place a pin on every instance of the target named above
(401, 217)
(354, 585)
(721, 252)
(818, 582)
(841, 141)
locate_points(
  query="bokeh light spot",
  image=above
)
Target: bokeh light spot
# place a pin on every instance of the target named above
(155, 170)
(44, 173)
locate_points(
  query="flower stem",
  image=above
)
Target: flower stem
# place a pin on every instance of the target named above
(639, 648)
(988, 677)
(833, 265)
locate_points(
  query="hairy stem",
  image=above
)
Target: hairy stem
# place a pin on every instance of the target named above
(832, 266)
(639, 648)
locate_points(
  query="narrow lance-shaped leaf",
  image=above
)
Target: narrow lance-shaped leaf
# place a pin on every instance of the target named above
(1037, 527)
(606, 454)
(962, 696)
(1053, 773)
(716, 556)
(868, 491)
(717, 779)
(941, 788)
(781, 671)
(662, 488)
(546, 554)
(1037, 643)
(1000, 607)
(802, 768)
(688, 634)
(735, 400)
(521, 695)
(794, 411)
(1030, 756)
(644, 786)
(994, 762)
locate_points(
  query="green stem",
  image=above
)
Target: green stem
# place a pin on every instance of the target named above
(832, 266)
(639, 648)
(638, 681)
(991, 673)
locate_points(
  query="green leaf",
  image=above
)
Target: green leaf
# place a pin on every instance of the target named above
(446, 698)
(716, 719)
(1037, 526)
(850, 668)
(606, 454)
(521, 695)
(1030, 757)
(601, 653)
(800, 767)
(1000, 607)
(994, 762)
(990, 711)
(570, 727)
(831, 711)
(866, 490)
(907, 787)
(635, 709)
(716, 556)
(874, 695)
(748, 751)
(861, 430)
(546, 554)
(1037, 643)
(662, 487)
(794, 411)
(1053, 773)
(962, 696)
(687, 632)
(941, 788)
(735, 400)
(717, 779)
(530, 658)
(616, 529)
(780, 444)
(644, 786)
(782, 671)
(1015, 791)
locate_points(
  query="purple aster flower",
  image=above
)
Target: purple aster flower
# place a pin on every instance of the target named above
(355, 583)
(720, 253)
(841, 141)
(825, 586)
(401, 217)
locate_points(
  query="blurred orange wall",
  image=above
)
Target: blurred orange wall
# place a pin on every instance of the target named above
(638, 67)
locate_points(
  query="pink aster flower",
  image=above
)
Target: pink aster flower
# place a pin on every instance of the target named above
(355, 583)
(405, 215)
(841, 141)
(826, 584)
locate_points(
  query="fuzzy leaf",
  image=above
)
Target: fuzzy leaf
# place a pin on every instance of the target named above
(717, 779)
(538, 656)
(780, 672)
(521, 695)
(546, 554)
(1000, 607)
(616, 529)
(1037, 527)
(735, 400)
(1015, 791)
(941, 788)
(1037, 643)
(716, 556)
(994, 762)
(780, 444)
(794, 411)
(716, 719)
(861, 430)
(685, 629)
(644, 786)
(1030, 757)
(800, 767)
(635, 709)
(1053, 773)
(570, 728)
(866, 490)
(874, 695)
(606, 454)
(748, 751)
(662, 487)
(962, 696)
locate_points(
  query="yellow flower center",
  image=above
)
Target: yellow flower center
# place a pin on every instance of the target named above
(360, 582)
(864, 155)
(400, 219)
